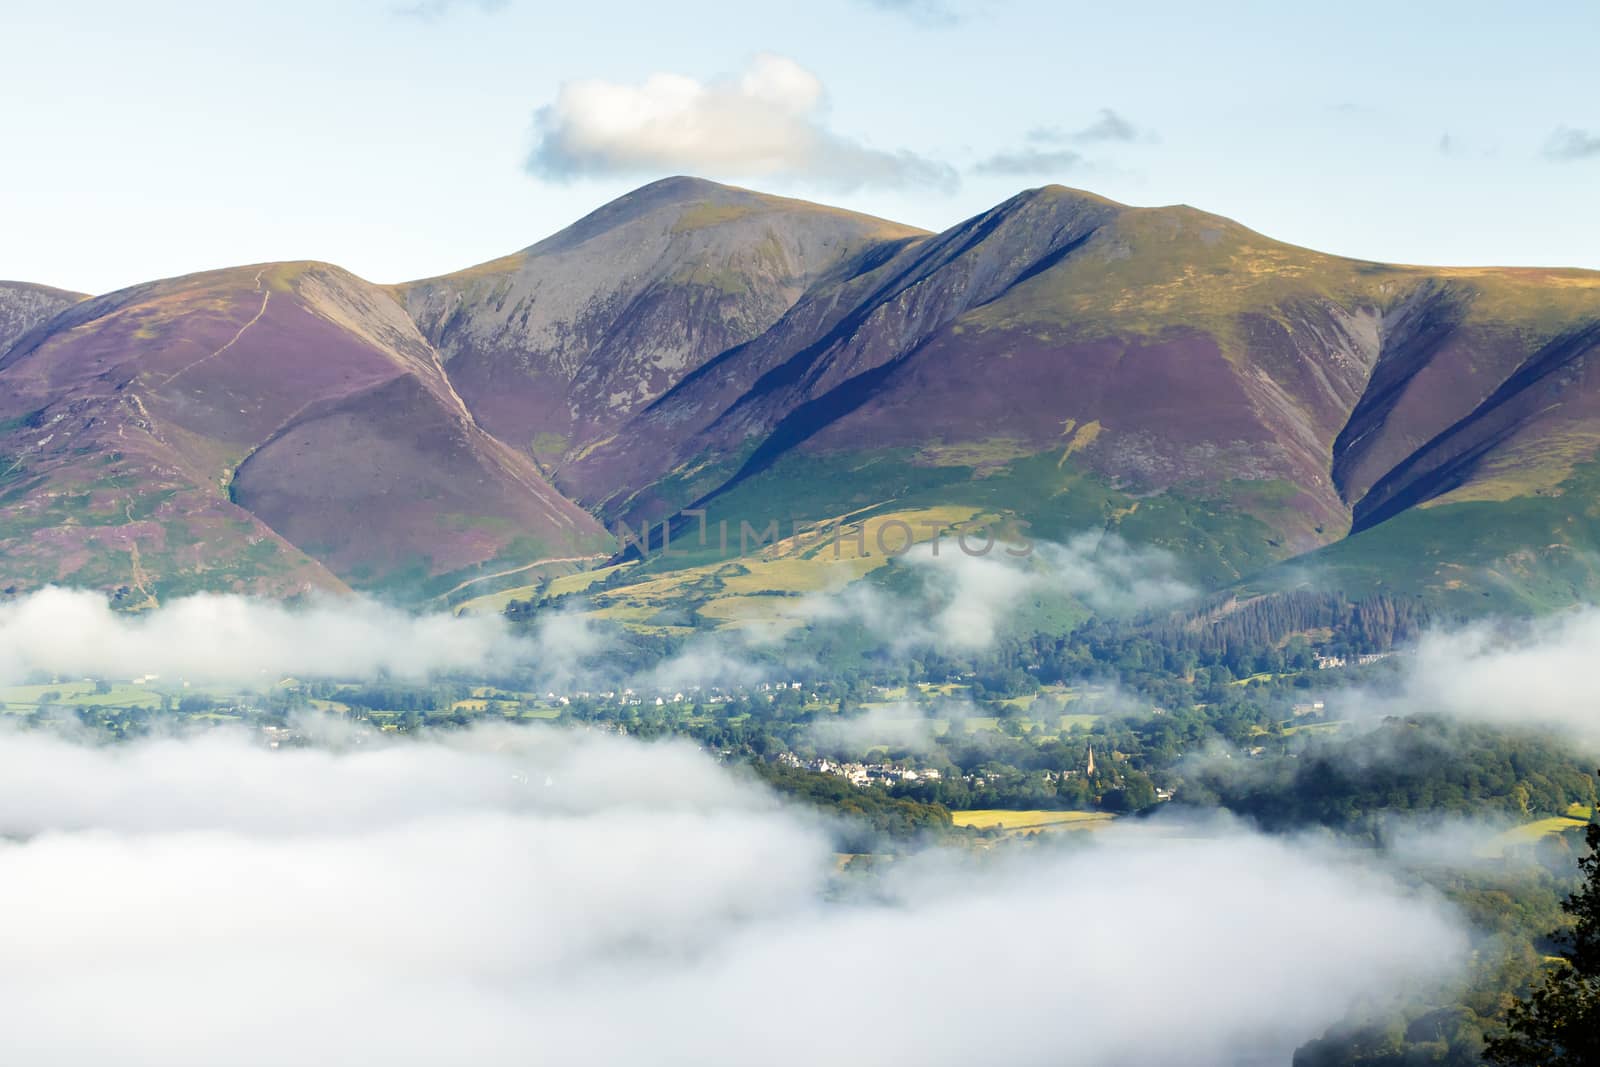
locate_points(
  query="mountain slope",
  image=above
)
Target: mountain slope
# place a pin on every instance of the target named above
(273, 428)
(1196, 373)
(554, 346)
(1061, 362)
(24, 306)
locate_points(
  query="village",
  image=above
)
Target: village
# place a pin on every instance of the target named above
(1034, 744)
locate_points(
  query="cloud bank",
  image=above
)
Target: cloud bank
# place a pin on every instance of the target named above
(902, 727)
(1539, 674)
(768, 121)
(228, 638)
(966, 600)
(539, 896)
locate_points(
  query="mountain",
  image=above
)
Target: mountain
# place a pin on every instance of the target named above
(554, 347)
(275, 428)
(1169, 373)
(1268, 413)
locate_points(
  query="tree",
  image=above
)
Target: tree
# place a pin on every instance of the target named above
(1136, 793)
(1560, 1022)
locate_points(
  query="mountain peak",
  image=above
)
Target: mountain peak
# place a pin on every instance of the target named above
(690, 187)
(1056, 207)
(1054, 192)
(687, 204)
(558, 343)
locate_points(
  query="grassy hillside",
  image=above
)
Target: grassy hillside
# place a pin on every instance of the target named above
(1522, 555)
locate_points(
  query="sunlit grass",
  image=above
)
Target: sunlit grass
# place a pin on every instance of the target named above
(1026, 821)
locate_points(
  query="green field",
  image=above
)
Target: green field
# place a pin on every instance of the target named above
(1526, 834)
(72, 694)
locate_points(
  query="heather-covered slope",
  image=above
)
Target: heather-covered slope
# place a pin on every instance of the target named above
(1062, 361)
(273, 428)
(1158, 347)
(555, 346)
(1065, 359)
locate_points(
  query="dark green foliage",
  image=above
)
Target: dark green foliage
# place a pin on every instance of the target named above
(380, 697)
(873, 813)
(1267, 634)
(1222, 630)
(1347, 781)
(1559, 1023)
(1510, 905)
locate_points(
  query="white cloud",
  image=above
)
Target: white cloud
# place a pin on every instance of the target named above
(964, 603)
(902, 727)
(977, 594)
(712, 660)
(229, 638)
(539, 896)
(1536, 674)
(766, 122)
(1112, 575)
(968, 598)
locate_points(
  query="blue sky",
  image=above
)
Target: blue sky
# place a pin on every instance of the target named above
(402, 138)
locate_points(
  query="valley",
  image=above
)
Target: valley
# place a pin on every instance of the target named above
(942, 532)
(1074, 523)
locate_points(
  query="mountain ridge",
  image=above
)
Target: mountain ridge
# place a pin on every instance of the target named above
(556, 342)
(219, 413)
(1060, 359)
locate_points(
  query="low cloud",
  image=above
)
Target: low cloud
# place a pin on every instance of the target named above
(957, 602)
(1568, 144)
(711, 660)
(900, 727)
(1538, 674)
(513, 893)
(967, 600)
(766, 122)
(1454, 843)
(972, 596)
(227, 638)
(1114, 576)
